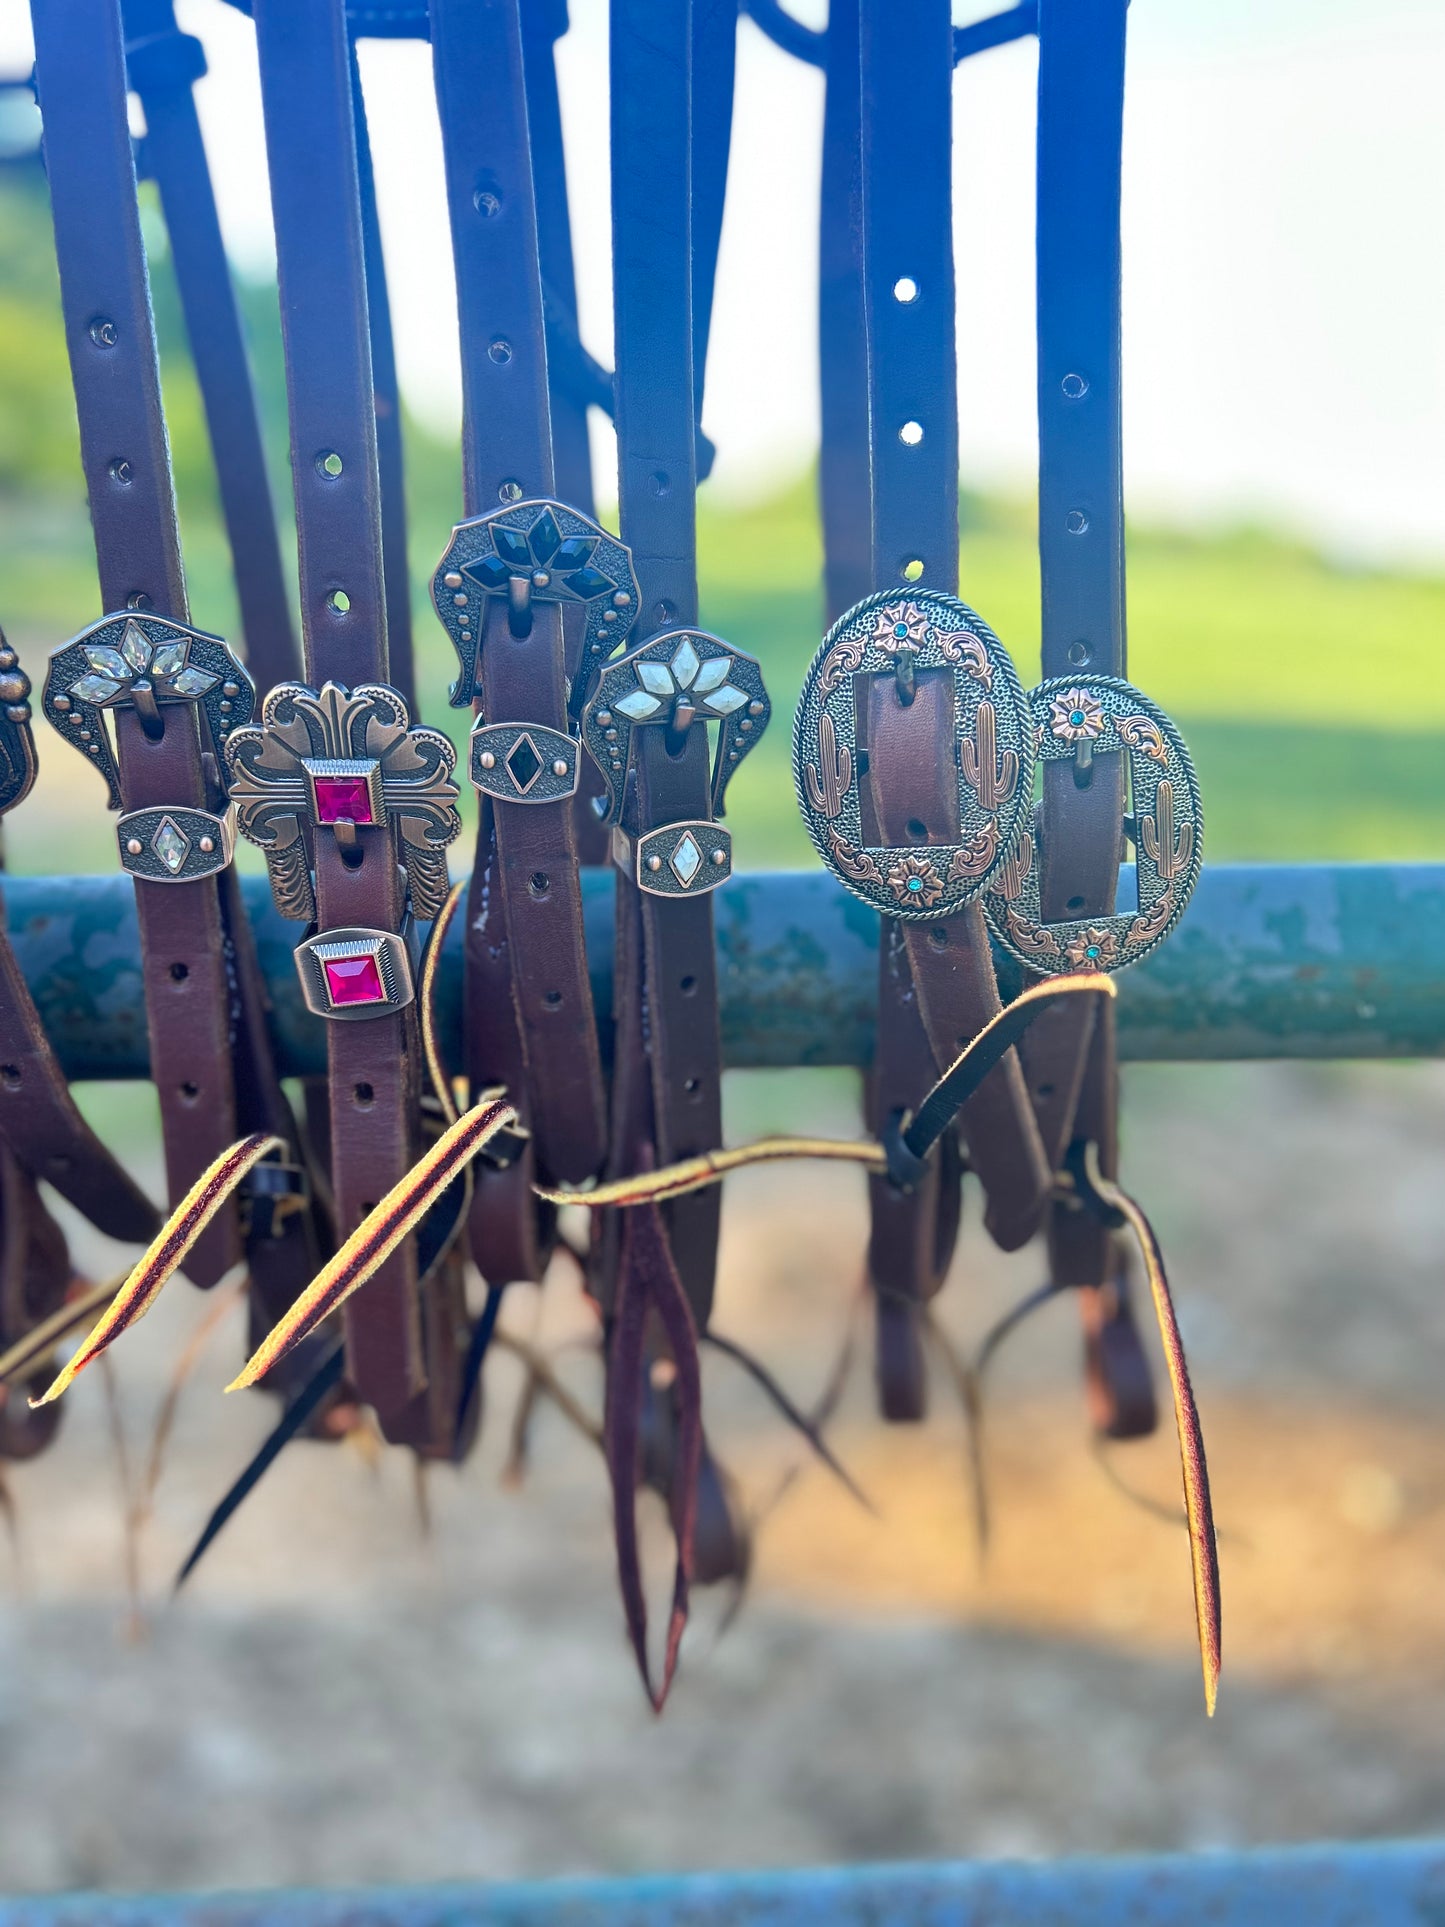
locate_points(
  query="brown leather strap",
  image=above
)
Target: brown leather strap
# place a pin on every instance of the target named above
(913, 788)
(81, 75)
(665, 974)
(507, 456)
(1071, 1061)
(163, 65)
(386, 394)
(373, 1076)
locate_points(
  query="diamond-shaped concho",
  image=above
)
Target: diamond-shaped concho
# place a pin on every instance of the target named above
(686, 860)
(524, 763)
(170, 844)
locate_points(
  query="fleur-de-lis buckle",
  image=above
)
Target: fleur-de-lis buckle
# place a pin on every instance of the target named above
(528, 552)
(145, 662)
(902, 637)
(1101, 716)
(342, 762)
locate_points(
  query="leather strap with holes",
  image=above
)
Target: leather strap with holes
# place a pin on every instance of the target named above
(668, 1053)
(373, 1067)
(163, 66)
(1070, 1056)
(191, 959)
(936, 986)
(530, 1021)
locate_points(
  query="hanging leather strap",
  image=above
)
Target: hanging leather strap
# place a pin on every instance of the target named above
(668, 1050)
(937, 986)
(845, 485)
(1070, 1058)
(373, 1067)
(163, 65)
(187, 957)
(39, 1120)
(544, 22)
(542, 1033)
(387, 397)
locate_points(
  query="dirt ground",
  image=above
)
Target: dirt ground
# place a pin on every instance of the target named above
(371, 1683)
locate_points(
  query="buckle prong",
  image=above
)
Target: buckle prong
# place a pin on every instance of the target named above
(519, 606)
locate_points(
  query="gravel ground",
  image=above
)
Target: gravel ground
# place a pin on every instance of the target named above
(347, 1695)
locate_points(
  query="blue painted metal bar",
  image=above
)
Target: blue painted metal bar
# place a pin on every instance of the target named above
(1273, 960)
(1400, 1884)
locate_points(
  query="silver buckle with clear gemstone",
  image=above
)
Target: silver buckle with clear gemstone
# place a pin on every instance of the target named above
(677, 859)
(149, 663)
(524, 762)
(174, 844)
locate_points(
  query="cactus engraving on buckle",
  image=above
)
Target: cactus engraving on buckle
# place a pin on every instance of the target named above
(901, 636)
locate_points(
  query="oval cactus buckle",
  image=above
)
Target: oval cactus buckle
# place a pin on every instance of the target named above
(899, 637)
(1079, 718)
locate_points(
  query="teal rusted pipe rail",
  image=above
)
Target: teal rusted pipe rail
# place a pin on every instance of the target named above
(1272, 960)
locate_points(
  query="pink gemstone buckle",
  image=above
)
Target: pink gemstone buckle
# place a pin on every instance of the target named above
(354, 980)
(355, 974)
(343, 798)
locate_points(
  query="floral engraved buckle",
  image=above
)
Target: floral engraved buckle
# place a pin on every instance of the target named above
(1098, 716)
(677, 859)
(353, 975)
(175, 845)
(679, 678)
(899, 636)
(524, 762)
(533, 552)
(338, 761)
(137, 660)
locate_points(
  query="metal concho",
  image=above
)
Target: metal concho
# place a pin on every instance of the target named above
(175, 845)
(679, 678)
(141, 661)
(1101, 716)
(917, 630)
(538, 551)
(309, 739)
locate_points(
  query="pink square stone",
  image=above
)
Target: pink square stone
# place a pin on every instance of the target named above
(354, 980)
(339, 797)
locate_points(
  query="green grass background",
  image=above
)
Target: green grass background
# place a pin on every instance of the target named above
(1312, 694)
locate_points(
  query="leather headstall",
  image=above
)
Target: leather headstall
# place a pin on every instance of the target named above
(172, 694)
(352, 802)
(913, 756)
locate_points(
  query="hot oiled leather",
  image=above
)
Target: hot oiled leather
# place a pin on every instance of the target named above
(373, 1067)
(190, 955)
(530, 1021)
(1070, 1057)
(163, 65)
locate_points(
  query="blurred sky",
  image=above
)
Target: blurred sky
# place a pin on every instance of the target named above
(1284, 253)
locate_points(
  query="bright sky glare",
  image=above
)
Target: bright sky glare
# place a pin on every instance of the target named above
(1284, 255)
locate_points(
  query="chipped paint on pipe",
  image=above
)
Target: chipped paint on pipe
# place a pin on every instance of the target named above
(1271, 960)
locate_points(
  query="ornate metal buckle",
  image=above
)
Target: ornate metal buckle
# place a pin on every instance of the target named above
(535, 551)
(145, 662)
(524, 762)
(899, 636)
(175, 845)
(1079, 718)
(18, 764)
(680, 678)
(353, 974)
(339, 761)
